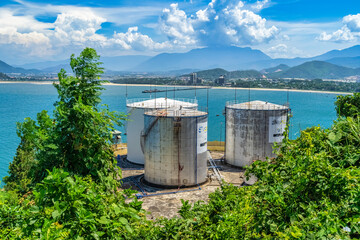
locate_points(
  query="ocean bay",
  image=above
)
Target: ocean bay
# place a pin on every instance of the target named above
(21, 100)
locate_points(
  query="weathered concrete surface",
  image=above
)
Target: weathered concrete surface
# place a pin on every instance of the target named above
(168, 205)
(252, 131)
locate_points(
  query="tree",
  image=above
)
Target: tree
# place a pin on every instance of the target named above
(78, 138)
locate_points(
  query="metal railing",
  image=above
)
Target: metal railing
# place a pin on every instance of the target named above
(178, 111)
(256, 105)
(161, 102)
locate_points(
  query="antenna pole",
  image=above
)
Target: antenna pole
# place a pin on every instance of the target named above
(126, 91)
(207, 99)
(150, 89)
(195, 88)
(155, 95)
(235, 94)
(287, 97)
(166, 91)
(249, 94)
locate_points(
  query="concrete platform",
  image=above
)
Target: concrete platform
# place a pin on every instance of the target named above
(167, 202)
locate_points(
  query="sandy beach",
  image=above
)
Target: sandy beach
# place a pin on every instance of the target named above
(186, 86)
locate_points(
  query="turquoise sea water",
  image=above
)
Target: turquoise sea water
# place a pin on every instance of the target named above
(21, 100)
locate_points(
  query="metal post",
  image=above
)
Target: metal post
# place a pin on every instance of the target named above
(126, 91)
(207, 100)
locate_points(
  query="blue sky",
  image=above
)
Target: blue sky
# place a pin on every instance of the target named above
(36, 30)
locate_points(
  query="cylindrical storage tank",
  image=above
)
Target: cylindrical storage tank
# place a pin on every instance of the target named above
(251, 130)
(175, 147)
(136, 109)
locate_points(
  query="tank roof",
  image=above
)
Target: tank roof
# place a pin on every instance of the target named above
(257, 105)
(176, 113)
(161, 103)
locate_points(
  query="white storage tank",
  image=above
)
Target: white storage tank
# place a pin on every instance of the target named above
(136, 109)
(175, 147)
(251, 130)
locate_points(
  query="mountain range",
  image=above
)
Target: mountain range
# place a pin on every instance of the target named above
(233, 59)
(6, 68)
(307, 70)
(315, 69)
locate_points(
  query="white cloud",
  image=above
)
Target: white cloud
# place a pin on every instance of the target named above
(24, 31)
(352, 22)
(177, 26)
(79, 28)
(22, 23)
(222, 22)
(37, 43)
(282, 51)
(342, 35)
(259, 5)
(349, 32)
(280, 48)
(132, 39)
(248, 27)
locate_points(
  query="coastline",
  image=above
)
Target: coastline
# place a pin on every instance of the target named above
(185, 86)
(29, 82)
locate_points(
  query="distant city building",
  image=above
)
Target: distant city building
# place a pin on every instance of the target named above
(193, 78)
(199, 81)
(220, 80)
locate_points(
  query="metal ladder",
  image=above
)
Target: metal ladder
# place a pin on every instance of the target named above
(215, 169)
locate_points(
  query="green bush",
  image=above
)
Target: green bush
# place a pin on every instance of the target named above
(348, 105)
(68, 207)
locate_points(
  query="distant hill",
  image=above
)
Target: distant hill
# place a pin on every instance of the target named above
(3, 76)
(316, 69)
(244, 74)
(6, 68)
(353, 51)
(212, 74)
(215, 73)
(347, 57)
(230, 58)
(278, 68)
(351, 62)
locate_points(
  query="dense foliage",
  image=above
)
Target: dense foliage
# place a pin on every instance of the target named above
(310, 191)
(348, 106)
(213, 74)
(316, 84)
(67, 207)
